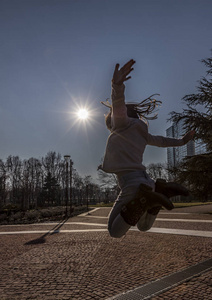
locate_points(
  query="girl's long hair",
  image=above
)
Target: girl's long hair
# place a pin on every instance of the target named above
(142, 110)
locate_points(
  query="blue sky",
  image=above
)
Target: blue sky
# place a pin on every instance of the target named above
(59, 55)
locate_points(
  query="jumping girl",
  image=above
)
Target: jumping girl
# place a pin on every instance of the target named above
(140, 198)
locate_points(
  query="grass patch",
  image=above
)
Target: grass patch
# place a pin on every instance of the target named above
(189, 204)
(102, 205)
(176, 205)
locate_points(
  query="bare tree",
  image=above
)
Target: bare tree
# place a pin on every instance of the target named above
(32, 182)
(157, 170)
(52, 163)
(14, 167)
(77, 187)
(3, 185)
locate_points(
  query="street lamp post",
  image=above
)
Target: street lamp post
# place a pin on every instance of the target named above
(87, 196)
(67, 159)
(71, 209)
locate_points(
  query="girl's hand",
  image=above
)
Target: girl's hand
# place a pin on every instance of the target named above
(119, 76)
(188, 136)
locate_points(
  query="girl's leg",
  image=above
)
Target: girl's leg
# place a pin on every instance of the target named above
(117, 227)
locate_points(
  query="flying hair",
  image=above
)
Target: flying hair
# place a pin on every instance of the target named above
(142, 110)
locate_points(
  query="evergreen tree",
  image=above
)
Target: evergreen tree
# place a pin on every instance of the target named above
(196, 171)
(50, 189)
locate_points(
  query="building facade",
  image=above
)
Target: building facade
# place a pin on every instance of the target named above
(177, 154)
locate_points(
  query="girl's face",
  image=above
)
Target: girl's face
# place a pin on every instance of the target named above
(108, 121)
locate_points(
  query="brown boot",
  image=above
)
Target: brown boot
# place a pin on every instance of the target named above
(170, 189)
(145, 199)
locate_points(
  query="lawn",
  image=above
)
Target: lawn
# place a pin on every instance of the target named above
(176, 204)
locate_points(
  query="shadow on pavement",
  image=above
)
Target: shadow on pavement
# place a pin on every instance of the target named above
(42, 239)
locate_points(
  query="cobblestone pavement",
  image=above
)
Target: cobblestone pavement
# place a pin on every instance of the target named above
(78, 260)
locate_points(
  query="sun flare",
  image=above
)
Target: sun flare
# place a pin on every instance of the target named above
(83, 114)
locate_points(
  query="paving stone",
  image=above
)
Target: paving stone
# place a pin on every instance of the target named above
(94, 266)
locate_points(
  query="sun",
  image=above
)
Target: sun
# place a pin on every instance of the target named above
(83, 114)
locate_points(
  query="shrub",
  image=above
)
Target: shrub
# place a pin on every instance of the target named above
(31, 215)
(3, 217)
(17, 216)
(57, 211)
(46, 213)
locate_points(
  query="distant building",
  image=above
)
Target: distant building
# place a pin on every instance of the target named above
(177, 154)
(200, 147)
